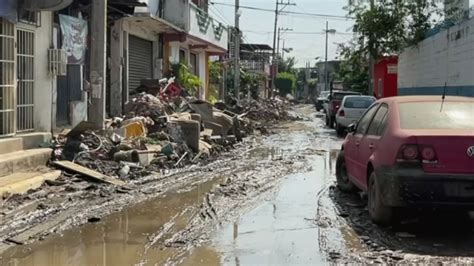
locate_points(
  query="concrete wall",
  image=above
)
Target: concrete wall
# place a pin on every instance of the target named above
(177, 12)
(447, 57)
(45, 85)
(209, 35)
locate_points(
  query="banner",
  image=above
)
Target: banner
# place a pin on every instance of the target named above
(74, 31)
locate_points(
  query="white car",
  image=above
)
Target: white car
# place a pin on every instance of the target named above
(352, 108)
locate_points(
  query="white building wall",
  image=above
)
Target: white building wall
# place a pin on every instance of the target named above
(447, 57)
(45, 85)
(209, 35)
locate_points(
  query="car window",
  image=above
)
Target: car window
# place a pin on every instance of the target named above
(377, 121)
(364, 122)
(383, 125)
(358, 102)
(433, 115)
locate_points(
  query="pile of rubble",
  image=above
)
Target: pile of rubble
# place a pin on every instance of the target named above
(157, 134)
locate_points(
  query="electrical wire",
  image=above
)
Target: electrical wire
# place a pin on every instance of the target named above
(327, 16)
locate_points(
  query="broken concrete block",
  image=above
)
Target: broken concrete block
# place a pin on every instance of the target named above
(215, 127)
(203, 108)
(185, 131)
(225, 121)
(196, 117)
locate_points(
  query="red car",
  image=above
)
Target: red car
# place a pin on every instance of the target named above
(411, 151)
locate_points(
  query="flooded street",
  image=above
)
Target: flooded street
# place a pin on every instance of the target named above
(274, 203)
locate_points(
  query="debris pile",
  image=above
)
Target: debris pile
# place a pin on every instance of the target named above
(159, 133)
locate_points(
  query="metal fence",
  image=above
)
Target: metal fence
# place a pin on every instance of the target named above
(7, 78)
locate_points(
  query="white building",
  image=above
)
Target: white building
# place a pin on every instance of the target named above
(445, 59)
(27, 90)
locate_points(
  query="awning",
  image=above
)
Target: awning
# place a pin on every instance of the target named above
(157, 24)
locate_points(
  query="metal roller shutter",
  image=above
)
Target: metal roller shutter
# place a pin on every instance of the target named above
(139, 61)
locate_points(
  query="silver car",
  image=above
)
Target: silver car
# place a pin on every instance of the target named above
(352, 108)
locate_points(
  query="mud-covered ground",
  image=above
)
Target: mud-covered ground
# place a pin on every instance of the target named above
(270, 201)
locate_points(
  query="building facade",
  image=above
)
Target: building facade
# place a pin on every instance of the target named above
(27, 89)
(444, 60)
(41, 90)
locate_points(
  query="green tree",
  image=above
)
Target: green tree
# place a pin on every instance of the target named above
(286, 83)
(392, 25)
(354, 69)
(287, 65)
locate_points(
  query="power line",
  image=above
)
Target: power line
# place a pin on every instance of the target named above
(338, 17)
(298, 32)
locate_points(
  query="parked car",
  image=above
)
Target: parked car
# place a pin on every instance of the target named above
(352, 108)
(323, 97)
(411, 151)
(333, 104)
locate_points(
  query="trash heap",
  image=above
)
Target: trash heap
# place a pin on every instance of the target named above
(157, 134)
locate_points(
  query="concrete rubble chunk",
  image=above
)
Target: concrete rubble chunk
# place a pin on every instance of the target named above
(185, 131)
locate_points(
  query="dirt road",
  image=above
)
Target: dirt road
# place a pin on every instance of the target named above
(271, 201)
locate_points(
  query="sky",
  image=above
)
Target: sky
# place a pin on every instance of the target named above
(257, 26)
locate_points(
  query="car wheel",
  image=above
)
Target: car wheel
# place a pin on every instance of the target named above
(379, 213)
(339, 130)
(331, 122)
(343, 181)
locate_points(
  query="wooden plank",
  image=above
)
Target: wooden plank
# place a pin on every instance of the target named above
(88, 172)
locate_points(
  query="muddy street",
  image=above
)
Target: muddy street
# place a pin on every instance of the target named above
(272, 201)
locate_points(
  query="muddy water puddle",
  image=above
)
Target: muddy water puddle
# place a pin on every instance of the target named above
(120, 239)
(281, 230)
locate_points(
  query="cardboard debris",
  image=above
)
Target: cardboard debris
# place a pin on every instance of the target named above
(88, 172)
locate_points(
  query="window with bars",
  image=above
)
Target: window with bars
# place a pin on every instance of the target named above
(7, 78)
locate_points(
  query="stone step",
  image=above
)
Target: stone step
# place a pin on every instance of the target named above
(33, 140)
(21, 182)
(23, 161)
(10, 145)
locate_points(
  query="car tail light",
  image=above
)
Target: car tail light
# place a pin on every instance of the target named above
(408, 153)
(342, 113)
(428, 154)
(413, 152)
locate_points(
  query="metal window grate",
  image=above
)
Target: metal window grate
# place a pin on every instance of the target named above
(26, 80)
(57, 62)
(7, 78)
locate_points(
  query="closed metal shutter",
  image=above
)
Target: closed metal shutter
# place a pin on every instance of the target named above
(140, 58)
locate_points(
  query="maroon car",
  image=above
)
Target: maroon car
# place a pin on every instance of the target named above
(412, 151)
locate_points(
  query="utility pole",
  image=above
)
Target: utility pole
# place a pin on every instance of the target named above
(283, 51)
(371, 57)
(326, 62)
(280, 32)
(237, 51)
(97, 62)
(274, 59)
(326, 70)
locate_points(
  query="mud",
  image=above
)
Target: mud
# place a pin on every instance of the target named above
(272, 200)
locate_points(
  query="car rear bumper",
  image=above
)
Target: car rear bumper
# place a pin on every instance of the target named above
(412, 187)
(345, 121)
